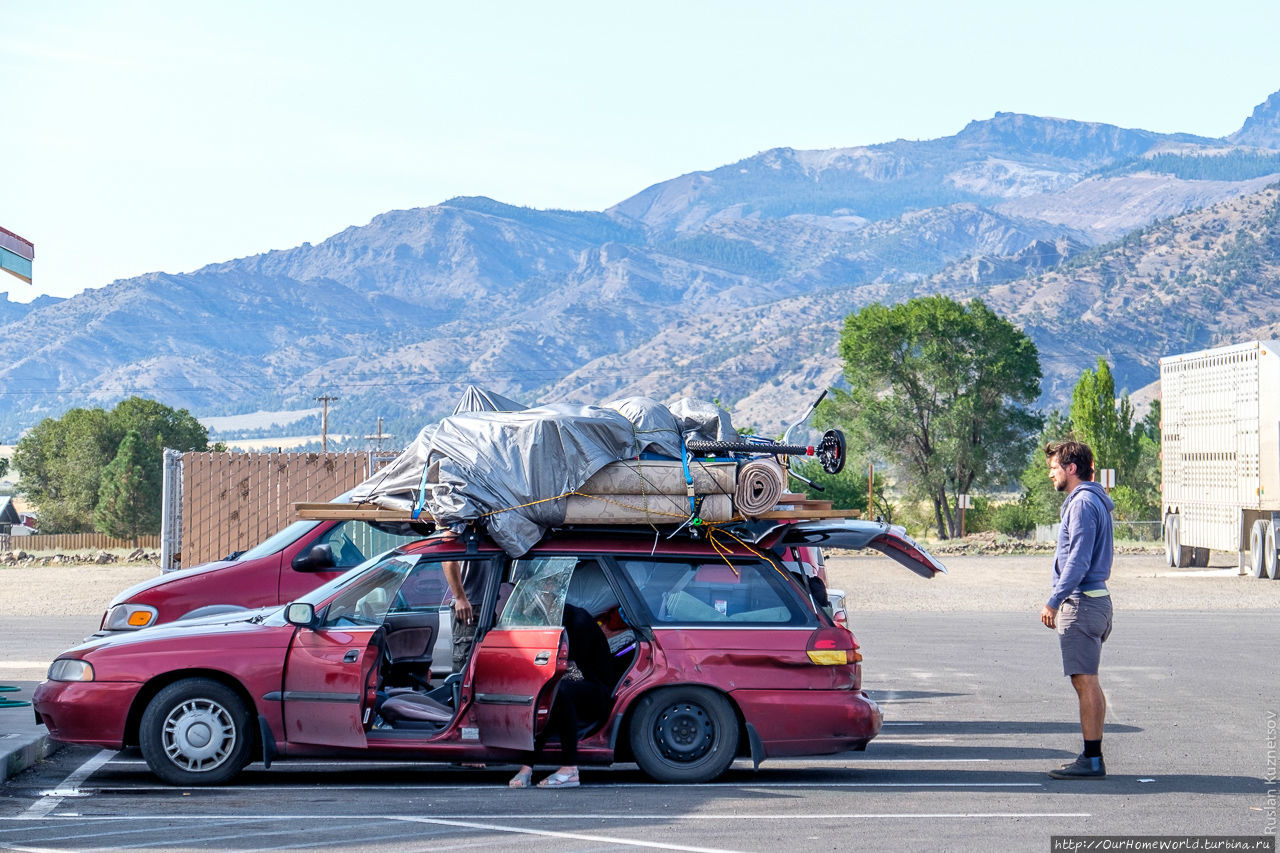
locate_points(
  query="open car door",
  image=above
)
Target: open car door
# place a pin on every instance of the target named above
(856, 534)
(516, 670)
(519, 663)
(328, 685)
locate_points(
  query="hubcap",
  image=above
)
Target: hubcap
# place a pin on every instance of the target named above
(198, 735)
(684, 732)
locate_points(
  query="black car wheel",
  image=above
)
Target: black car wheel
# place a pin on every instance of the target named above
(684, 734)
(196, 732)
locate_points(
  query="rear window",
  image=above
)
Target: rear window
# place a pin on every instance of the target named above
(710, 592)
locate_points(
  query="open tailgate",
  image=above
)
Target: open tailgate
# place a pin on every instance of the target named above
(855, 534)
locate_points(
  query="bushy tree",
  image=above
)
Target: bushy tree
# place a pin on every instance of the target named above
(941, 390)
(61, 461)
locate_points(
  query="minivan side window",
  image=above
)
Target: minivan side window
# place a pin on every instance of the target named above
(702, 592)
(353, 542)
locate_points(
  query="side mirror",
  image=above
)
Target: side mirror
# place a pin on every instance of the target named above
(318, 558)
(302, 615)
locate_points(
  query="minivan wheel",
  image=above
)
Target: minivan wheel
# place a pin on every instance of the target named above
(195, 732)
(684, 734)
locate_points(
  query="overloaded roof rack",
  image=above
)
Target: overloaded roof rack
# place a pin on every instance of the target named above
(793, 507)
(517, 473)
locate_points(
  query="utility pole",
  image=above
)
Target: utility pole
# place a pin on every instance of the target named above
(379, 435)
(326, 399)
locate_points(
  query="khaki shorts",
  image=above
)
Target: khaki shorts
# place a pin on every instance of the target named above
(1084, 623)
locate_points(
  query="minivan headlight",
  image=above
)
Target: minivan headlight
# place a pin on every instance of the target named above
(70, 669)
(129, 617)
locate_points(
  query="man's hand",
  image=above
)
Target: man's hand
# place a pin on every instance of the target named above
(463, 610)
(1049, 616)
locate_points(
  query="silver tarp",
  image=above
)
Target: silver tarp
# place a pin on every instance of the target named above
(511, 471)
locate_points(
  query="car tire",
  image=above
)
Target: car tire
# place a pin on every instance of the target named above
(684, 734)
(196, 732)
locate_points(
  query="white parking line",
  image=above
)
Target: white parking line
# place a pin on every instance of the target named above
(576, 836)
(561, 816)
(495, 788)
(49, 800)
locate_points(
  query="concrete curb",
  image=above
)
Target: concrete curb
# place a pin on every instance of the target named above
(24, 750)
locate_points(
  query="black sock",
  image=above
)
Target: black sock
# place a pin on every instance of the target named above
(1093, 748)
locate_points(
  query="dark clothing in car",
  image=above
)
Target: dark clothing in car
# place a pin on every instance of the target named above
(582, 697)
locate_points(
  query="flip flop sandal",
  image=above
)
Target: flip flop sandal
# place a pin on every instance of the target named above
(560, 780)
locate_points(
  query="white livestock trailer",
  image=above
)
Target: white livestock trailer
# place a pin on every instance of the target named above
(1220, 451)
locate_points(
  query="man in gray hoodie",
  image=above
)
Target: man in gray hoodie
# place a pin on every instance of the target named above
(1079, 607)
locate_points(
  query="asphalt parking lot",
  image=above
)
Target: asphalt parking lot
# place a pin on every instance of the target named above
(976, 711)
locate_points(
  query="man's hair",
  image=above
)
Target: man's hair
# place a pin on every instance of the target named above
(1072, 453)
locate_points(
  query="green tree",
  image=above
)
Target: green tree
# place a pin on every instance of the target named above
(848, 489)
(1107, 426)
(1042, 499)
(941, 390)
(125, 508)
(1104, 423)
(61, 460)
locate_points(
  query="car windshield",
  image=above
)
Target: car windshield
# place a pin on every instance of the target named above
(279, 541)
(367, 598)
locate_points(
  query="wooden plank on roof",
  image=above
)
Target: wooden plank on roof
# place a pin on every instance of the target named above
(354, 512)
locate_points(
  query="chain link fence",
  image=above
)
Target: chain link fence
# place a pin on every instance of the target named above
(1123, 531)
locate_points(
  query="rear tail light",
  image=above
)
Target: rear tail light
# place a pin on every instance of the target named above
(833, 647)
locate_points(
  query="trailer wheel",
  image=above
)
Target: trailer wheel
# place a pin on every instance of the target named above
(1269, 554)
(1258, 546)
(1175, 553)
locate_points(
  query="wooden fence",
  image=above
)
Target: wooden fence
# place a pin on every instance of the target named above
(75, 542)
(231, 501)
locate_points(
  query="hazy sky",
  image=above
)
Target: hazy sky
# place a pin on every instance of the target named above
(142, 136)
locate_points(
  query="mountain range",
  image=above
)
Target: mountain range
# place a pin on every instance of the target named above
(730, 284)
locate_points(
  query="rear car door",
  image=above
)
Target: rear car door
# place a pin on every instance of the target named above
(519, 662)
(743, 626)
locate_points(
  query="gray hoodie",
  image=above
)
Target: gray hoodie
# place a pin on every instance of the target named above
(1083, 559)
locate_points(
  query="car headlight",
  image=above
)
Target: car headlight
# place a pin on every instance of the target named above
(70, 669)
(129, 617)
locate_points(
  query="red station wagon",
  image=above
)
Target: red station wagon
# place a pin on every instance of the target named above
(720, 651)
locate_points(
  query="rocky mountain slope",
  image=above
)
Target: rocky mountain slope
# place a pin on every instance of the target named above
(728, 284)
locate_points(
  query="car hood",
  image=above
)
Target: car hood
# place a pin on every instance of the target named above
(856, 534)
(243, 623)
(129, 593)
